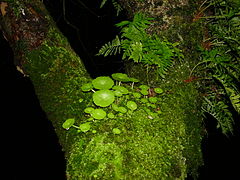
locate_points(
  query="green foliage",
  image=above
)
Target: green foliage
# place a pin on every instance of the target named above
(85, 127)
(137, 45)
(111, 48)
(117, 6)
(68, 123)
(220, 111)
(131, 127)
(81, 128)
(108, 96)
(141, 137)
(222, 64)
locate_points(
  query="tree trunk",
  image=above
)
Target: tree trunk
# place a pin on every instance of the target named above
(165, 147)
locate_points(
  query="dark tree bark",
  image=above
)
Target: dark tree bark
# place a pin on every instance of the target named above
(168, 147)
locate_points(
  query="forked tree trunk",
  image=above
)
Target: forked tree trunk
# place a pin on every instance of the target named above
(167, 147)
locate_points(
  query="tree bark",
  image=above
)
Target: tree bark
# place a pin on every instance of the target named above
(168, 147)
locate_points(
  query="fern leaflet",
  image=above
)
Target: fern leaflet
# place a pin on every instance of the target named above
(111, 48)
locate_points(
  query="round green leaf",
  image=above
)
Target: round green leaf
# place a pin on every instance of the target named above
(115, 107)
(121, 89)
(87, 87)
(116, 131)
(144, 87)
(133, 80)
(137, 95)
(110, 115)
(103, 82)
(117, 93)
(98, 114)
(120, 77)
(144, 92)
(85, 127)
(144, 100)
(153, 106)
(132, 105)
(158, 90)
(153, 99)
(103, 98)
(122, 109)
(88, 110)
(68, 123)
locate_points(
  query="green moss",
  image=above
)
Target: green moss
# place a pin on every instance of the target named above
(57, 74)
(165, 145)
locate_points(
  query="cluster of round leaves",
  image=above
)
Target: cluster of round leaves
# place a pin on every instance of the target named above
(105, 93)
(70, 123)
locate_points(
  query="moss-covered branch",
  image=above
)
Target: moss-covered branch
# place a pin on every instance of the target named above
(166, 147)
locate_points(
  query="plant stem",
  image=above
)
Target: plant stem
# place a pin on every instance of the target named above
(75, 126)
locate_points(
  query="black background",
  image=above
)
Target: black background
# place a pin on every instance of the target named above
(30, 146)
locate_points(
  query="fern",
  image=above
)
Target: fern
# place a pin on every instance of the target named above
(111, 48)
(219, 110)
(222, 65)
(141, 47)
(117, 6)
(234, 97)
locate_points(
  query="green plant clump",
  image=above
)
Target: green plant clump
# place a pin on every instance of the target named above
(137, 45)
(221, 64)
(133, 130)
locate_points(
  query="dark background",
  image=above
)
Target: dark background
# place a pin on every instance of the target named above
(30, 146)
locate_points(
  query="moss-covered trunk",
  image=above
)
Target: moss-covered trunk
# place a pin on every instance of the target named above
(165, 146)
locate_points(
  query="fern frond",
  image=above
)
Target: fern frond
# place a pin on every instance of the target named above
(139, 46)
(111, 48)
(117, 6)
(136, 52)
(219, 110)
(234, 98)
(231, 90)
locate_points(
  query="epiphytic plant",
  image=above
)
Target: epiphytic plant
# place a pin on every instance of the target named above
(111, 101)
(221, 64)
(137, 45)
